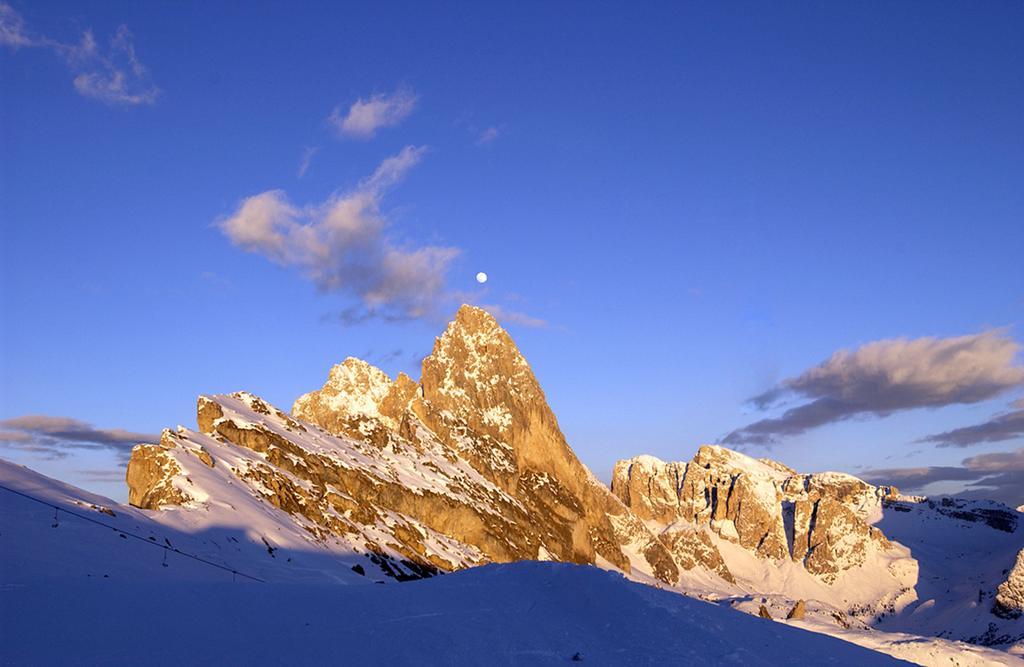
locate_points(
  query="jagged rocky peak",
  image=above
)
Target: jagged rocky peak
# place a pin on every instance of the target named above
(467, 467)
(477, 373)
(822, 521)
(354, 389)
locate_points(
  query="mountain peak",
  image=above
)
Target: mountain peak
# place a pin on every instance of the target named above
(477, 373)
(354, 388)
(475, 318)
(352, 366)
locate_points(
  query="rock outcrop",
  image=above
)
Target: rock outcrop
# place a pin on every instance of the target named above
(151, 477)
(821, 521)
(1010, 595)
(797, 612)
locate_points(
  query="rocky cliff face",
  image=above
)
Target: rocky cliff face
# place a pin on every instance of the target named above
(822, 521)
(468, 466)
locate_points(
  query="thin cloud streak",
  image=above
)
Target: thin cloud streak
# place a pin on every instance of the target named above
(996, 476)
(507, 316)
(56, 437)
(307, 159)
(103, 476)
(1001, 427)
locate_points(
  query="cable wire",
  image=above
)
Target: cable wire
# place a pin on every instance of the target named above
(58, 509)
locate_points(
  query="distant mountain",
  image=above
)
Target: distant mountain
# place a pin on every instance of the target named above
(866, 555)
(376, 479)
(770, 522)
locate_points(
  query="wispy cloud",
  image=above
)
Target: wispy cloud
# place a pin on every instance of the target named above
(888, 376)
(507, 316)
(103, 476)
(13, 32)
(343, 244)
(488, 136)
(368, 115)
(56, 437)
(113, 75)
(355, 315)
(997, 462)
(307, 159)
(997, 476)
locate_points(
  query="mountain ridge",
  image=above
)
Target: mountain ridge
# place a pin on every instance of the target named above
(468, 466)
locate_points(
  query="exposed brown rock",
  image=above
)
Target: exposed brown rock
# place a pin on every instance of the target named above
(649, 487)
(150, 475)
(818, 520)
(691, 547)
(798, 611)
(1010, 595)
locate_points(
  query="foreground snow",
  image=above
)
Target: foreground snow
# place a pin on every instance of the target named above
(522, 613)
(79, 593)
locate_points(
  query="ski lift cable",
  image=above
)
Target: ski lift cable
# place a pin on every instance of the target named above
(58, 508)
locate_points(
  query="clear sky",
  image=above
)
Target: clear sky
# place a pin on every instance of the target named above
(681, 207)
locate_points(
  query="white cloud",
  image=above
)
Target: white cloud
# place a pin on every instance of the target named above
(887, 376)
(114, 76)
(366, 116)
(343, 245)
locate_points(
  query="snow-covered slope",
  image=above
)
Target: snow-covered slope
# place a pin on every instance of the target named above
(965, 550)
(253, 539)
(82, 594)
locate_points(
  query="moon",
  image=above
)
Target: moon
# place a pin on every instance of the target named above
(481, 277)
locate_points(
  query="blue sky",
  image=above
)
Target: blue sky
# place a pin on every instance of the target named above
(698, 200)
